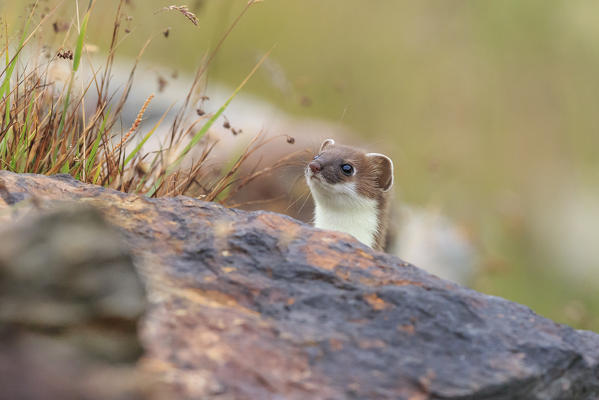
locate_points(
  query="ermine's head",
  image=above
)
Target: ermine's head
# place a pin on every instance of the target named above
(343, 176)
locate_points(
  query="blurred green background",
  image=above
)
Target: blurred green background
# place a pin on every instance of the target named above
(489, 110)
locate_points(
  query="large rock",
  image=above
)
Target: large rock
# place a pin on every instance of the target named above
(70, 306)
(259, 306)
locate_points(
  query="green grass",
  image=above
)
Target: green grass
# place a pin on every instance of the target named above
(47, 130)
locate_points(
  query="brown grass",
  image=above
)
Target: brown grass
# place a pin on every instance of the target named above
(47, 129)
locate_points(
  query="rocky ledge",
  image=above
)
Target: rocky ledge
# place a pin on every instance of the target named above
(260, 306)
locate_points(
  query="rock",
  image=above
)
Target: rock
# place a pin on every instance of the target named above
(255, 305)
(70, 304)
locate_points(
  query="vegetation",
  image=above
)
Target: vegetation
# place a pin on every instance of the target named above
(48, 129)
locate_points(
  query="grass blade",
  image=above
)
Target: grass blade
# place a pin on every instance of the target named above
(80, 39)
(196, 138)
(76, 63)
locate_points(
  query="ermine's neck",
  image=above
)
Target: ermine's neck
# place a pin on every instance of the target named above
(358, 218)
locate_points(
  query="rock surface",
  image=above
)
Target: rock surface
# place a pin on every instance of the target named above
(70, 305)
(259, 306)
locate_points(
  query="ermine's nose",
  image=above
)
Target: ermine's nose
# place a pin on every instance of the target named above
(315, 166)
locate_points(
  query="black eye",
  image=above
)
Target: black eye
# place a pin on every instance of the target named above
(347, 169)
(316, 156)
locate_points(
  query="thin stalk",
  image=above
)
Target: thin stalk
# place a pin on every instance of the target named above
(206, 127)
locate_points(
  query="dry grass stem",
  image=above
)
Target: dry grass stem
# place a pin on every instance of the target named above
(185, 11)
(136, 123)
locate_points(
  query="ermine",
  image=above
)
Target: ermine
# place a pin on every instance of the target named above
(351, 192)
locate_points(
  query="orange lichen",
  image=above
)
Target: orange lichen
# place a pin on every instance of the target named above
(376, 302)
(406, 328)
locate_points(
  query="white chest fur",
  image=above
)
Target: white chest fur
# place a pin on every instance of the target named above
(346, 211)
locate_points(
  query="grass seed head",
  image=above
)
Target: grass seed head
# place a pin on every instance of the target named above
(185, 11)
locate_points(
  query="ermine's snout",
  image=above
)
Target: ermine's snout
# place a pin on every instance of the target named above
(315, 166)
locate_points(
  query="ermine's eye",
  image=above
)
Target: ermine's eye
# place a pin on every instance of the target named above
(347, 169)
(316, 156)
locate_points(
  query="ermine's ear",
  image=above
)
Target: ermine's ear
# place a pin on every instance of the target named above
(384, 170)
(326, 143)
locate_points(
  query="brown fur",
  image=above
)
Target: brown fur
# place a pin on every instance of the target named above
(373, 175)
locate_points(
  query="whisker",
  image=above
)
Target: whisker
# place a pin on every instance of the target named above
(294, 202)
(305, 201)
